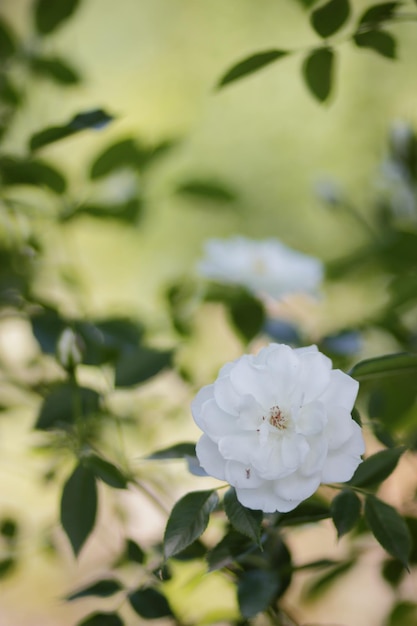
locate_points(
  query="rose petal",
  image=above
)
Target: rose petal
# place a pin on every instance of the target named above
(342, 391)
(297, 485)
(265, 499)
(241, 475)
(210, 458)
(215, 422)
(202, 396)
(311, 419)
(339, 427)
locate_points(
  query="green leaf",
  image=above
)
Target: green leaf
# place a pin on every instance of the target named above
(379, 41)
(120, 154)
(323, 582)
(317, 70)
(345, 510)
(384, 366)
(55, 69)
(404, 613)
(251, 64)
(229, 549)
(102, 619)
(128, 211)
(393, 572)
(188, 520)
(149, 603)
(15, 171)
(103, 589)
(58, 408)
(7, 41)
(329, 18)
(378, 13)
(79, 506)
(7, 565)
(247, 314)
(106, 471)
(256, 591)
(311, 510)
(389, 528)
(177, 451)
(137, 365)
(107, 339)
(134, 552)
(49, 14)
(245, 521)
(206, 190)
(95, 119)
(377, 467)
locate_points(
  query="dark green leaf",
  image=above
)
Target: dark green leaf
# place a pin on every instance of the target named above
(323, 582)
(94, 119)
(197, 550)
(256, 591)
(230, 548)
(128, 211)
(188, 520)
(245, 521)
(56, 69)
(378, 13)
(7, 565)
(384, 366)
(106, 471)
(7, 41)
(9, 529)
(177, 451)
(14, 171)
(150, 603)
(311, 510)
(102, 588)
(79, 506)
(251, 64)
(137, 365)
(318, 72)
(49, 14)
(134, 552)
(393, 572)
(248, 315)
(389, 528)
(106, 340)
(345, 510)
(47, 326)
(379, 41)
(120, 154)
(404, 613)
(377, 467)
(102, 619)
(329, 18)
(59, 407)
(9, 93)
(206, 190)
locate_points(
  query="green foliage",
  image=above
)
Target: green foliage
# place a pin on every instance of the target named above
(106, 471)
(79, 506)
(56, 69)
(256, 591)
(15, 171)
(102, 589)
(245, 521)
(376, 468)
(377, 40)
(389, 528)
(150, 603)
(318, 72)
(95, 119)
(188, 520)
(49, 15)
(207, 190)
(250, 65)
(345, 510)
(102, 619)
(329, 18)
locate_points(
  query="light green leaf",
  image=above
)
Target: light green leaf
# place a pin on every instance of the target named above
(389, 528)
(79, 506)
(345, 510)
(377, 467)
(94, 119)
(329, 18)
(250, 65)
(149, 603)
(379, 41)
(188, 520)
(245, 521)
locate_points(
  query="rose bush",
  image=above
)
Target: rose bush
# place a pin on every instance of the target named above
(263, 267)
(277, 424)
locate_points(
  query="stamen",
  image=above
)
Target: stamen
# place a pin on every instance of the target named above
(277, 419)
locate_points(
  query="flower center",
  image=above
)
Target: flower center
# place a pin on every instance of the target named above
(277, 419)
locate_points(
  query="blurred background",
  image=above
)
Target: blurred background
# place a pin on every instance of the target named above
(260, 157)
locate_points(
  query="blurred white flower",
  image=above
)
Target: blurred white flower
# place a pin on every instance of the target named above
(277, 424)
(265, 267)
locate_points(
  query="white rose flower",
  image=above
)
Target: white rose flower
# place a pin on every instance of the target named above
(263, 267)
(277, 424)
